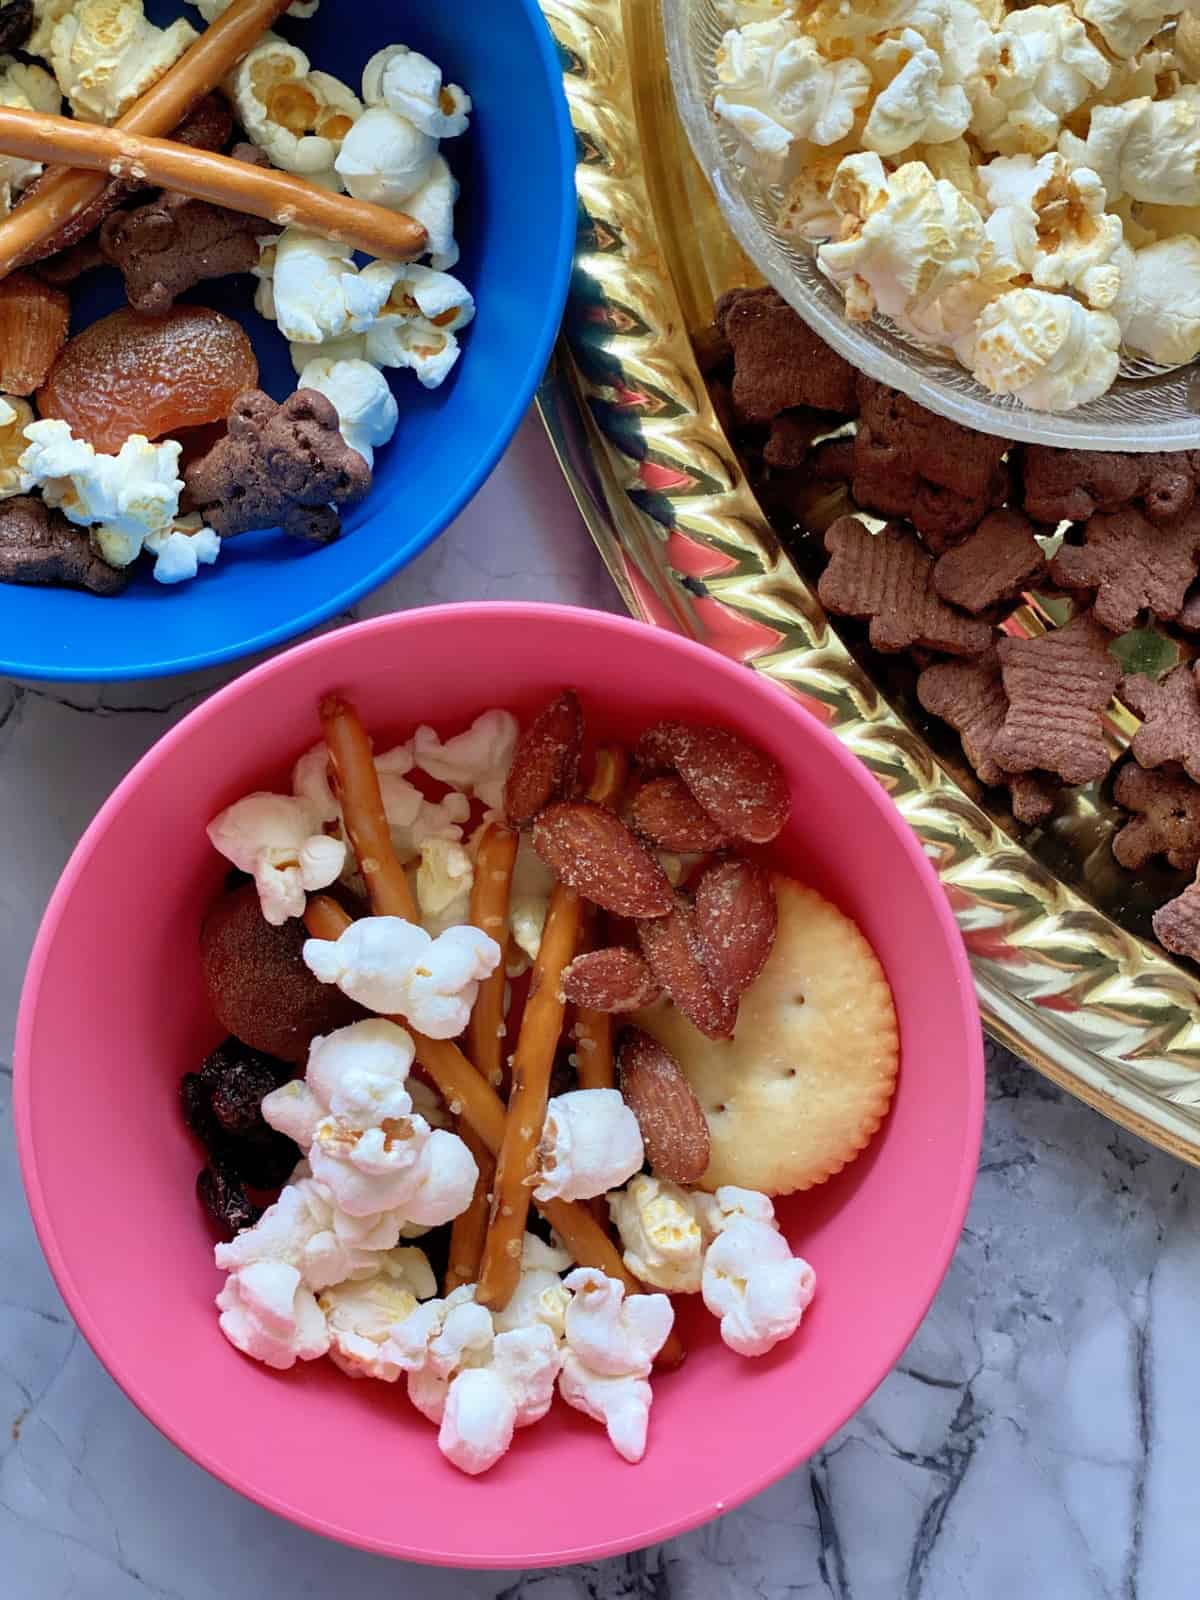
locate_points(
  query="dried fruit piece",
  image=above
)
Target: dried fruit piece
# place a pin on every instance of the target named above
(735, 919)
(224, 1197)
(33, 329)
(666, 812)
(612, 979)
(739, 786)
(671, 947)
(545, 760)
(674, 1131)
(133, 374)
(592, 850)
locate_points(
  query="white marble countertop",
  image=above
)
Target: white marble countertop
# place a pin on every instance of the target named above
(1040, 1437)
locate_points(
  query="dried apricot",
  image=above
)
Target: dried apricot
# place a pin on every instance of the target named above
(130, 373)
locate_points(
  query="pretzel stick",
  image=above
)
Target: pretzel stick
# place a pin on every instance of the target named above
(280, 197)
(357, 784)
(532, 1064)
(491, 892)
(62, 193)
(458, 1083)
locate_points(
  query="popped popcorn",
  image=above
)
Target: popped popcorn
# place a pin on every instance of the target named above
(316, 290)
(532, 883)
(590, 1144)
(1145, 149)
(105, 55)
(384, 158)
(297, 116)
(478, 1384)
(403, 1166)
(611, 1342)
(267, 1313)
(540, 1295)
(444, 880)
(751, 1280)
(359, 1315)
(359, 393)
(182, 549)
(412, 819)
(1158, 307)
(300, 1230)
(1047, 349)
(475, 761)
(1050, 224)
(776, 90)
(1126, 25)
(123, 498)
(15, 417)
(919, 104)
(359, 1073)
(409, 84)
(1030, 153)
(394, 967)
(279, 840)
(1046, 68)
(432, 204)
(661, 1233)
(47, 14)
(911, 246)
(26, 88)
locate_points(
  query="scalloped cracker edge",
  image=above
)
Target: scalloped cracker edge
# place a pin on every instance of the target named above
(803, 1086)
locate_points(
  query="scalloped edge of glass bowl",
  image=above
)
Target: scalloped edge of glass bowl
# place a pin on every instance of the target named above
(1103, 1014)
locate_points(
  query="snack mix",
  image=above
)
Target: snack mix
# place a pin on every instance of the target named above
(1017, 186)
(93, 427)
(975, 528)
(514, 1221)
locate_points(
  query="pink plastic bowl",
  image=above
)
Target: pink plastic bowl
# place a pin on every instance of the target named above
(113, 1012)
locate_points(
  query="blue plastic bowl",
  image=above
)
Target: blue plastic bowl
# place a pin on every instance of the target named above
(516, 228)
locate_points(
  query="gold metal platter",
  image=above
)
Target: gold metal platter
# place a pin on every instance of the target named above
(1058, 934)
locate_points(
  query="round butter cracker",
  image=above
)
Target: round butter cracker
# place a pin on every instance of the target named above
(810, 1071)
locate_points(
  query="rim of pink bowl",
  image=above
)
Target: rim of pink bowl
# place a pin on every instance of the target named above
(806, 1444)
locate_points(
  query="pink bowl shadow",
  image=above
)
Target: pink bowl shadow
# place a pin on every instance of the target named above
(113, 1012)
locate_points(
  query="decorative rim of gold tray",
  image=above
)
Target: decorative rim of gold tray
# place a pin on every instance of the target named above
(1102, 1013)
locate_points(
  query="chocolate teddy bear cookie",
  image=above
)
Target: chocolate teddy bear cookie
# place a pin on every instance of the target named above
(38, 545)
(172, 243)
(283, 466)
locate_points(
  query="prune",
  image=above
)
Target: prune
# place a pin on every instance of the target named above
(264, 1163)
(224, 1197)
(237, 1096)
(195, 1096)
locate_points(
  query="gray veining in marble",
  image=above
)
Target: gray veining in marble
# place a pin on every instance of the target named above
(1039, 1437)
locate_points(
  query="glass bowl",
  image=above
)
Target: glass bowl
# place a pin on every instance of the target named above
(1148, 407)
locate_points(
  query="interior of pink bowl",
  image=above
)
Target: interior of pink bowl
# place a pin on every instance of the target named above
(113, 1013)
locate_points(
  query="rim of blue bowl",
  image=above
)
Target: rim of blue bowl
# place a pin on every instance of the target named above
(465, 491)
